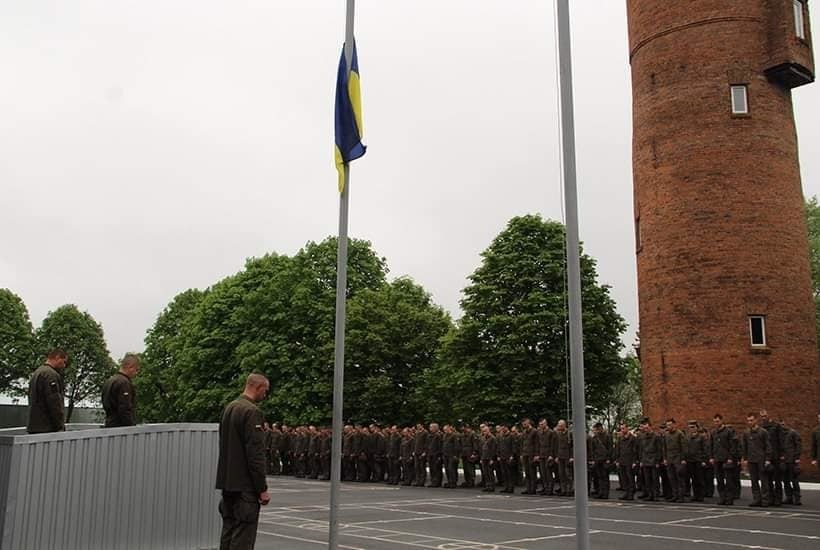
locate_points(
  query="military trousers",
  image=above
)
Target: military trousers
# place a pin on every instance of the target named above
(726, 475)
(240, 517)
(677, 480)
(760, 483)
(529, 474)
(627, 477)
(791, 482)
(650, 481)
(547, 479)
(362, 468)
(408, 471)
(436, 474)
(469, 471)
(565, 476)
(602, 477)
(694, 479)
(708, 481)
(488, 474)
(775, 483)
(421, 471)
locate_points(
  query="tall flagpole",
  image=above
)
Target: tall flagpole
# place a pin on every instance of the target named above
(576, 334)
(341, 293)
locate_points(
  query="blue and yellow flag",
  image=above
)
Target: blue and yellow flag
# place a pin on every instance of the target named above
(348, 116)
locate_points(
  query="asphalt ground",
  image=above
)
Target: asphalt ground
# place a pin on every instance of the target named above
(377, 516)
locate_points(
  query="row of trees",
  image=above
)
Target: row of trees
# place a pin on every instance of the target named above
(22, 347)
(405, 358)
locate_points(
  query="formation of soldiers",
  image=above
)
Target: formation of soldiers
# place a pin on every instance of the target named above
(652, 462)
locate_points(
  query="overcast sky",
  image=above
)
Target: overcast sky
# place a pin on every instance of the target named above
(148, 147)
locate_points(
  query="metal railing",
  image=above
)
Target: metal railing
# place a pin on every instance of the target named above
(145, 487)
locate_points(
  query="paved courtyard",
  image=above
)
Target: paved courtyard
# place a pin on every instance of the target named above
(375, 516)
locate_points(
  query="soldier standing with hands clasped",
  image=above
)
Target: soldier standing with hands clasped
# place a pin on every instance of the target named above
(118, 397)
(240, 473)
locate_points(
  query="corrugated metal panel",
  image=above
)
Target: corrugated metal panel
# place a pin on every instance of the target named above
(147, 487)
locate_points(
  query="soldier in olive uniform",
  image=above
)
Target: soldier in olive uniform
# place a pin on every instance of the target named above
(626, 459)
(546, 457)
(275, 446)
(506, 457)
(775, 477)
(757, 455)
(529, 450)
(518, 471)
(469, 454)
(393, 454)
(489, 453)
(450, 451)
(325, 450)
(420, 455)
(563, 455)
(361, 447)
(408, 467)
(434, 455)
(815, 443)
(674, 458)
(119, 399)
(240, 473)
(601, 457)
(46, 395)
(708, 470)
(792, 449)
(650, 454)
(348, 459)
(379, 446)
(723, 457)
(286, 451)
(313, 454)
(696, 457)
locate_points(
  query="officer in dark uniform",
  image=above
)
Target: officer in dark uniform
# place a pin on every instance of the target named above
(626, 459)
(379, 453)
(46, 394)
(563, 455)
(757, 455)
(408, 467)
(240, 473)
(723, 457)
(546, 457)
(506, 456)
(118, 397)
(393, 453)
(489, 453)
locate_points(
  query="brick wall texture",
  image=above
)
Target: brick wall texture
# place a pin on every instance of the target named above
(718, 205)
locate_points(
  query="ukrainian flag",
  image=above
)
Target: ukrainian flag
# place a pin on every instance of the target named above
(348, 116)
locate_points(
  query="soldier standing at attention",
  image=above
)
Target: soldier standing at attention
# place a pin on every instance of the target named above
(489, 452)
(546, 456)
(757, 455)
(240, 472)
(529, 449)
(434, 455)
(649, 453)
(708, 469)
(408, 468)
(626, 459)
(674, 458)
(469, 454)
(393, 455)
(696, 456)
(450, 450)
(723, 457)
(420, 455)
(601, 455)
(815, 443)
(118, 397)
(506, 456)
(792, 449)
(46, 393)
(775, 474)
(563, 454)
(325, 450)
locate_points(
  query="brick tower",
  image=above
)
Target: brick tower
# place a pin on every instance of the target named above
(727, 320)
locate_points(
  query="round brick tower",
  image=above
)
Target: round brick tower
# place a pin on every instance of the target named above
(727, 319)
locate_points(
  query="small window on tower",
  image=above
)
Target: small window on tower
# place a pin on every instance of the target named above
(740, 100)
(799, 22)
(757, 329)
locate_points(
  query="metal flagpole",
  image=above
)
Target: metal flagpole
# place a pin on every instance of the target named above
(576, 335)
(341, 291)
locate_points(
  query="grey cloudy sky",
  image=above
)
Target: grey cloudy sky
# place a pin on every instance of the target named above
(148, 147)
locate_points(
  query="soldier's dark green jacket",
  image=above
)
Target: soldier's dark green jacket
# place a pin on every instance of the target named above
(434, 444)
(776, 435)
(119, 401)
(696, 449)
(675, 446)
(241, 466)
(529, 443)
(724, 444)
(626, 450)
(757, 447)
(504, 444)
(470, 444)
(600, 447)
(46, 393)
(649, 448)
(406, 449)
(546, 443)
(792, 445)
(394, 445)
(489, 448)
(563, 444)
(420, 442)
(450, 445)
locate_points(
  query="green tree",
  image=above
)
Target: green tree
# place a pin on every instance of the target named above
(813, 223)
(17, 349)
(507, 358)
(89, 362)
(392, 338)
(623, 403)
(157, 384)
